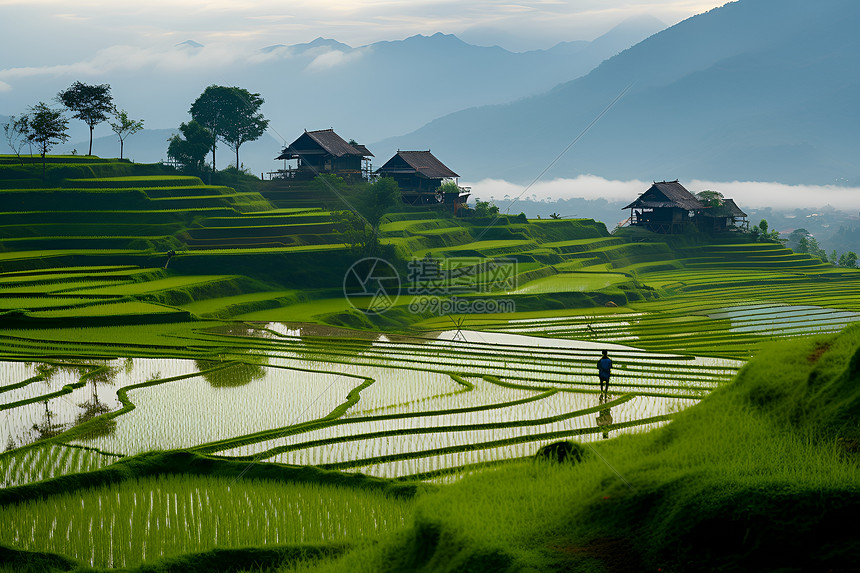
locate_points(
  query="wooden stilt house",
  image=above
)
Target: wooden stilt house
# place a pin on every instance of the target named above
(325, 152)
(419, 174)
(667, 207)
(724, 217)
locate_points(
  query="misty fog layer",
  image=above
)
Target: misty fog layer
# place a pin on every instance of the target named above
(747, 194)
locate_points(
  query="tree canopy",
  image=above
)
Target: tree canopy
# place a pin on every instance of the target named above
(366, 204)
(246, 124)
(711, 199)
(714, 201)
(795, 237)
(91, 104)
(46, 127)
(191, 147)
(809, 244)
(231, 114)
(762, 232)
(848, 260)
(378, 199)
(487, 209)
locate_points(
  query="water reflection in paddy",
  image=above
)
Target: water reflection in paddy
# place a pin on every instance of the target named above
(483, 388)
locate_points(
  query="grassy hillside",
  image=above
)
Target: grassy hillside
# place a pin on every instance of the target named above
(760, 476)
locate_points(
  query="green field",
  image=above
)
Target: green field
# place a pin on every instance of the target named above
(225, 407)
(123, 525)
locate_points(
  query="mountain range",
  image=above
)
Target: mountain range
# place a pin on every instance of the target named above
(755, 90)
(366, 93)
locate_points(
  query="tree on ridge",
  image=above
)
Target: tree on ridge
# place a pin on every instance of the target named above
(231, 114)
(91, 104)
(190, 151)
(16, 130)
(46, 127)
(124, 126)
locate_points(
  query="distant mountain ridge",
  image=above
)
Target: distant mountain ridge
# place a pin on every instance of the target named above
(366, 93)
(754, 90)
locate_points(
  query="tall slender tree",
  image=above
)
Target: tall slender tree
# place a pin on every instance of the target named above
(91, 104)
(231, 114)
(848, 260)
(208, 111)
(46, 127)
(244, 122)
(124, 126)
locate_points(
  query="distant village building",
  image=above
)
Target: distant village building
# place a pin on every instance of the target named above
(419, 174)
(667, 207)
(325, 152)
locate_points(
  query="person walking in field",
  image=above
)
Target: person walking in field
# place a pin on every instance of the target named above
(604, 370)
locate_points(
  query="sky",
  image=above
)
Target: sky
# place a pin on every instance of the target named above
(46, 44)
(44, 38)
(48, 32)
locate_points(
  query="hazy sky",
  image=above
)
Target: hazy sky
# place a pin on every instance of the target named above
(43, 32)
(47, 44)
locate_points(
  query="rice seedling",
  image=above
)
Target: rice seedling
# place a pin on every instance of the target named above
(237, 400)
(45, 462)
(147, 518)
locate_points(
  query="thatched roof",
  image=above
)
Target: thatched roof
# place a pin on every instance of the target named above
(323, 141)
(667, 194)
(422, 163)
(672, 195)
(365, 152)
(733, 209)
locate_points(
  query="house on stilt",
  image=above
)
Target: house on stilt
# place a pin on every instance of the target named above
(420, 176)
(667, 207)
(324, 152)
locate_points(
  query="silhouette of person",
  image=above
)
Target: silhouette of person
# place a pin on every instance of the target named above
(604, 417)
(604, 370)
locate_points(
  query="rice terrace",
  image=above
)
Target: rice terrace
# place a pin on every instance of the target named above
(187, 385)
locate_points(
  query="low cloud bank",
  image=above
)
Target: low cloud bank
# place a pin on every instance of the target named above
(752, 194)
(176, 59)
(333, 58)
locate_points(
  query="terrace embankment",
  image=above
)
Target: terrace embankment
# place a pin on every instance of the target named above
(103, 214)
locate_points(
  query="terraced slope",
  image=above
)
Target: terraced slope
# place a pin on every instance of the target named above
(133, 216)
(119, 220)
(85, 278)
(426, 407)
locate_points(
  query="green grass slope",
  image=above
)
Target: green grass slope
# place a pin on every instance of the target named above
(761, 476)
